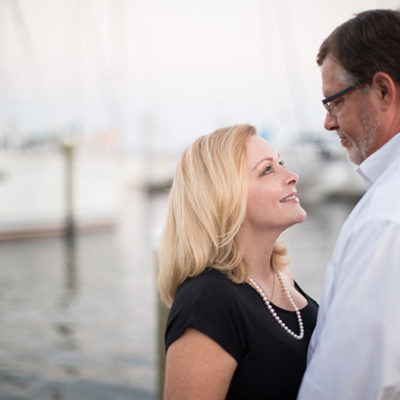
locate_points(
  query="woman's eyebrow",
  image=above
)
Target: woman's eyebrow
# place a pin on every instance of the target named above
(262, 160)
(266, 159)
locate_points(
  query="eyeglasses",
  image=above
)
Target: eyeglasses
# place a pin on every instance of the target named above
(326, 102)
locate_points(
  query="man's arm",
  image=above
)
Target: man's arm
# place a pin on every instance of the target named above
(358, 353)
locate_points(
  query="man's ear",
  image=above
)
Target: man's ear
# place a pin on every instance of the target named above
(385, 89)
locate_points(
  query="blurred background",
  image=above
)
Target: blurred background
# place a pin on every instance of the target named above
(98, 98)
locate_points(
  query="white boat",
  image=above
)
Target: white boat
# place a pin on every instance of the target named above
(324, 171)
(33, 188)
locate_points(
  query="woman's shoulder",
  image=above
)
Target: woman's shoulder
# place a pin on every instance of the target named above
(209, 284)
(209, 303)
(209, 276)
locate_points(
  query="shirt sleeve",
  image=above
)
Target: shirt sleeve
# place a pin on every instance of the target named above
(210, 307)
(357, 355)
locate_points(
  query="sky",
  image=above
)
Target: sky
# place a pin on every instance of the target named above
(158, 73)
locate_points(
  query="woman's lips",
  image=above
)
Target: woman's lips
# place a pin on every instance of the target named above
(292, 198)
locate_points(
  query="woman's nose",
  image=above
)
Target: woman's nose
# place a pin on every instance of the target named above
(292, 178)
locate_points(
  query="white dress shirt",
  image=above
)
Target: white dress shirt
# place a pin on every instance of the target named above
(354, 352)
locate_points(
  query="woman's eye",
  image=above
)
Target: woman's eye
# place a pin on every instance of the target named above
(267, 170)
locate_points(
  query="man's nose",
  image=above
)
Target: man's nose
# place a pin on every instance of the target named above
(331, 123)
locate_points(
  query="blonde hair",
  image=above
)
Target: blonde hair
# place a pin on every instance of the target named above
(206, 209)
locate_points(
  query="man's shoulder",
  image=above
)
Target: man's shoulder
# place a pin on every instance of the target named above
(382, 201)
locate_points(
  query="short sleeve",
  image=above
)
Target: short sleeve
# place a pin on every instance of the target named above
(209, 304)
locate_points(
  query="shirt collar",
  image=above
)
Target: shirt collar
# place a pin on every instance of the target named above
(373, 167)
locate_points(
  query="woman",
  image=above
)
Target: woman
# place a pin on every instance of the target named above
(239, 326)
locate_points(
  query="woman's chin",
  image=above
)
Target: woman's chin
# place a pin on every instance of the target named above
(302, 216)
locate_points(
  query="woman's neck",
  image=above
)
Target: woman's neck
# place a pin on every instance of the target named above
(258, 248)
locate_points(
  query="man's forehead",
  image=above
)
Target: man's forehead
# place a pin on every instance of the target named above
(333, 75)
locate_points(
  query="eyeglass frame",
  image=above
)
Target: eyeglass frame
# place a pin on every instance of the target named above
(349, 89)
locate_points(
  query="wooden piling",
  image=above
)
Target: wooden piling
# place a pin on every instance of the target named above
(68, 150)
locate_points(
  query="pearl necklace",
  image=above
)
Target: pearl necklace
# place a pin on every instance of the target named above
(300, 336)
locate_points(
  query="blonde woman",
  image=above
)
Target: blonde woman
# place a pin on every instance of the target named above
(239, 326)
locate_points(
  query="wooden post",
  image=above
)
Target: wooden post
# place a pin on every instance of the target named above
(68, 150)
(162, 312)
(162, 316)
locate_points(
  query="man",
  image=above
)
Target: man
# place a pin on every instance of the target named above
(355, 349)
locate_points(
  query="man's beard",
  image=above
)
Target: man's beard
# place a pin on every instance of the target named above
(362, 148)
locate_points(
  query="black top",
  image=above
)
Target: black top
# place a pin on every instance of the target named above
(271, 362)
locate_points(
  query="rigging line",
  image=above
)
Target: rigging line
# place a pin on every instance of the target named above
(26, 42)
(3, 80)
(292, 62)
(99, 58)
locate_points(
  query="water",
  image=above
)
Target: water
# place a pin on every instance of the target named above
(78, 319)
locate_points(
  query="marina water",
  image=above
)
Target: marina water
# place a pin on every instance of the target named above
(79, 318)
